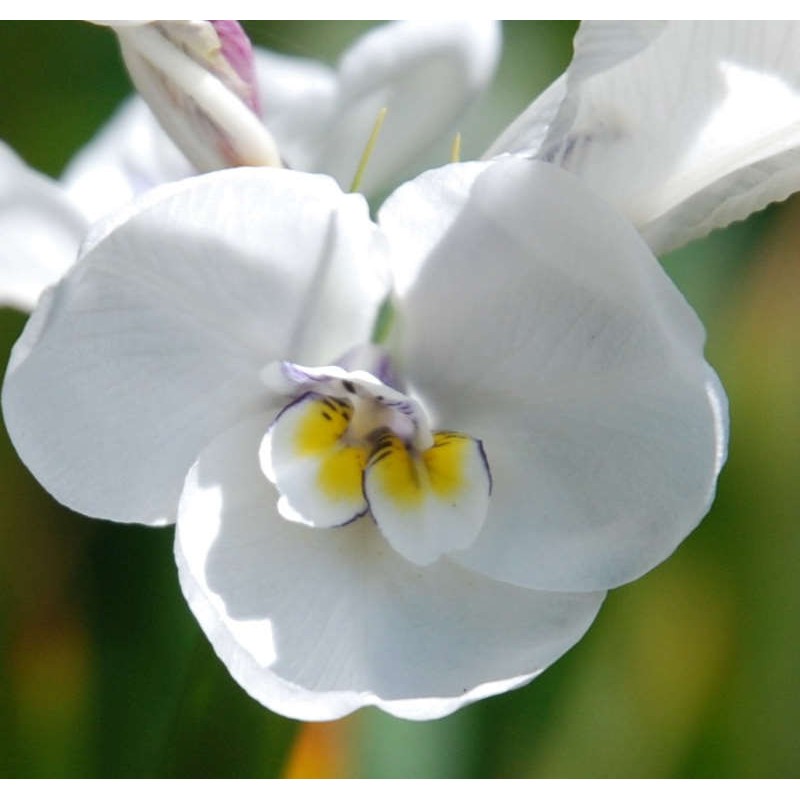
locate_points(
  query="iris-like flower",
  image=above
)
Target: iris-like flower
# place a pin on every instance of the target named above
(406, 459)
(412, 512)
(315, 118)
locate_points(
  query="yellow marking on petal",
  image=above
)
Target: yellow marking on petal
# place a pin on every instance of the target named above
(318, 435)
(317, 465)
(396, 470)
(340, 473)
(444, 462)
(431, 502)
(406, 478)
(324, 422)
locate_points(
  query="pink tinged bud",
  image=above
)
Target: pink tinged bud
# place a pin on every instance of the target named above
(238, 53)
(198, 79)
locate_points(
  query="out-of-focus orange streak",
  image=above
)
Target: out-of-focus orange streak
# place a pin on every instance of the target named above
(321, 750)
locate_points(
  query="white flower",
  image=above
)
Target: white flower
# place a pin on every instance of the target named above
(424, 73)
(40, 230)
(683, 126)
(414, 525)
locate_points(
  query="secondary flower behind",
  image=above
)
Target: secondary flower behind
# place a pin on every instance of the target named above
(682, 126)
(318, 118)
(414, 523)
(424, 73)
(40, 229)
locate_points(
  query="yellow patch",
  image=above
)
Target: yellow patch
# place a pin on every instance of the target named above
(321, 426)
(396, 470)
(406, 478)
(444, 463)
(318, 435)
(340, 473)
(401, 474)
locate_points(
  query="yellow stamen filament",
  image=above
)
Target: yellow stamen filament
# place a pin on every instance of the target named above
(368, 149)
(455, 149)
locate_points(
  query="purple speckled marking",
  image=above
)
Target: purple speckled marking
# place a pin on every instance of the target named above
(238, 52)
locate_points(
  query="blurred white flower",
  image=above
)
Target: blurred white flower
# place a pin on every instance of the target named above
(424, 73)
(40, 229)
(683, 126)
(414, 523)
(318, 118)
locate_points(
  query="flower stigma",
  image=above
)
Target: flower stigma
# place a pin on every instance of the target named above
(348, 444)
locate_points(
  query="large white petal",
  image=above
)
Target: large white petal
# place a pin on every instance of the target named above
(685, 126)
(128, 156)
(315, 623)
(541, 324)
(40, 231)
(154, 342)
(414, 215)
(425, 73)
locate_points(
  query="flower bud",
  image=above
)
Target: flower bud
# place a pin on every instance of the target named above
(197, 77)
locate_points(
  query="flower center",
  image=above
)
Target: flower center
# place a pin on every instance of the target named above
(348, 444)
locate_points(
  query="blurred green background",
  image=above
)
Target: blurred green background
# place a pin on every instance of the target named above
(691, 671)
